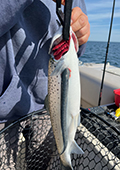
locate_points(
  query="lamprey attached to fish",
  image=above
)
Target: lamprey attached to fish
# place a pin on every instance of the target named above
(64, 95)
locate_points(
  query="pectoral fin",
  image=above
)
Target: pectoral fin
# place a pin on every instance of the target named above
(63, 167)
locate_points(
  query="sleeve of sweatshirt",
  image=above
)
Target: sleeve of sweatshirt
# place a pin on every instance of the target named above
(10, 11)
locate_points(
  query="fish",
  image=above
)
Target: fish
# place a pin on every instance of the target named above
(64, 95)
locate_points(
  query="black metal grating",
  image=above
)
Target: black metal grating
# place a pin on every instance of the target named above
(28, 144)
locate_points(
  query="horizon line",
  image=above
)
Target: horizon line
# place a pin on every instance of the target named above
(103, 41)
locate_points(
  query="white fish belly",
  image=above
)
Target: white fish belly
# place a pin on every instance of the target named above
(73, 103)
(74, 93)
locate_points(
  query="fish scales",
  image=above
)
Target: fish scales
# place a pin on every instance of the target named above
(54, 93)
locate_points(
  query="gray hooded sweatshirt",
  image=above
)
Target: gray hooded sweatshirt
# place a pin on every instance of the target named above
(26, 29)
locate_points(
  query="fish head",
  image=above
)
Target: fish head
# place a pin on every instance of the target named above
(60, 47)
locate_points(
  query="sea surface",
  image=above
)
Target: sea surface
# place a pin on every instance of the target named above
(96, 52)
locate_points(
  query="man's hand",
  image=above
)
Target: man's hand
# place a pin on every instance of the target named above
(80, 25)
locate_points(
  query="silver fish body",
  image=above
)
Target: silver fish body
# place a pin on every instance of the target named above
(65, 113)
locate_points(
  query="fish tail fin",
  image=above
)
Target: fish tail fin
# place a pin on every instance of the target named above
(65, 156)
(76, 149)
(65, 167)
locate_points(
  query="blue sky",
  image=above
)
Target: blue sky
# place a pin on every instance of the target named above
(99, 15)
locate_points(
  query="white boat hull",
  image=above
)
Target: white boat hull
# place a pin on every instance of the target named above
(91, 77)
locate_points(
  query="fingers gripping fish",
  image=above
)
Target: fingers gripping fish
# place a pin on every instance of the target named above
(64, 95)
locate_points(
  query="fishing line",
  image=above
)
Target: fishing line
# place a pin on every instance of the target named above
(102, 82)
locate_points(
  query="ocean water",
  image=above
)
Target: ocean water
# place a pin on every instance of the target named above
(96, 52)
